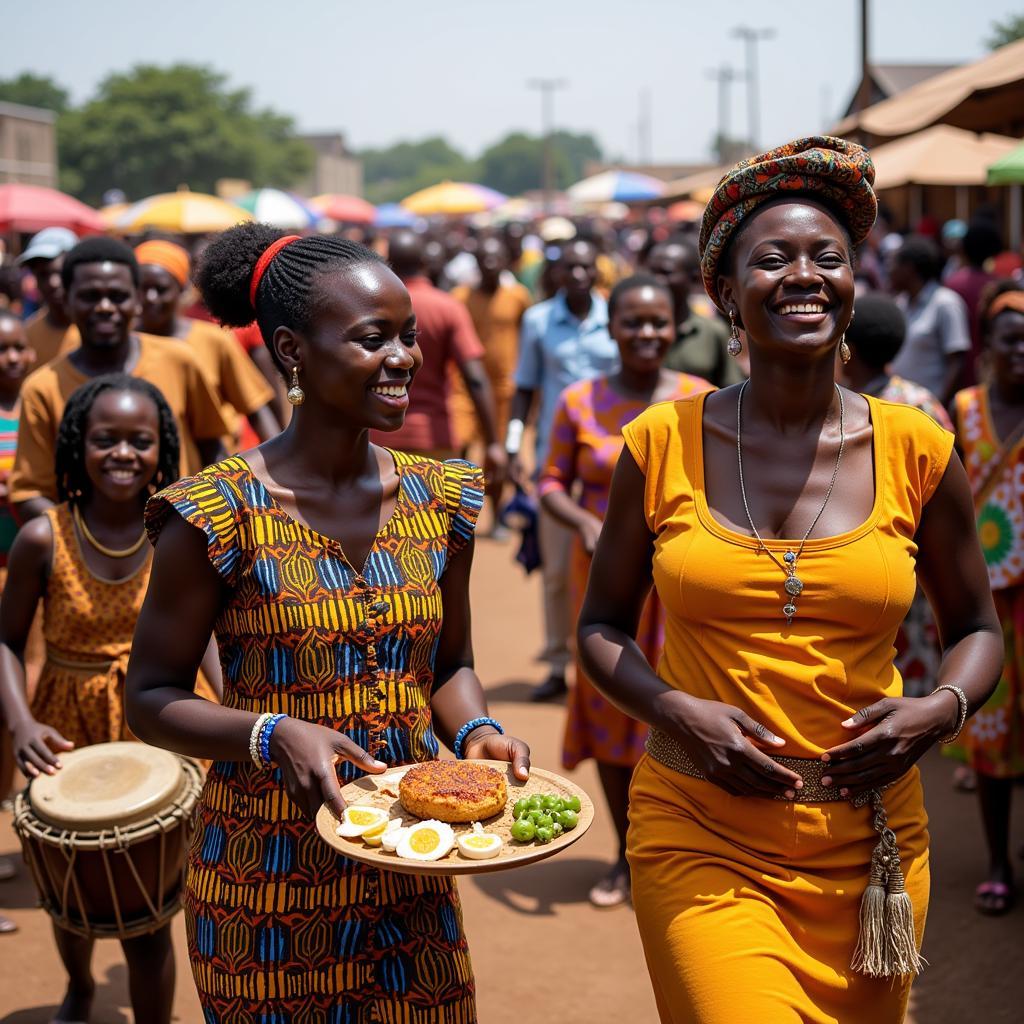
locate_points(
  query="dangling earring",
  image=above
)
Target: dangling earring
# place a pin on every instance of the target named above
(735, 345)
(295, 393)
(844, 350)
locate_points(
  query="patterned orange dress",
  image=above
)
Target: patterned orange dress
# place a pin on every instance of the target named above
(280, 927)
(586, 441)
(88, 624)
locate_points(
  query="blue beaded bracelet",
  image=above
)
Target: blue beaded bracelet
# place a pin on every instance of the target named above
(265, 734)
(473, 723)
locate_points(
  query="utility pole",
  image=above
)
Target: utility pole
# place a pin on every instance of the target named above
(548, 87)
(752, 36)
(724, 76)
(864, 92)
(643, 129)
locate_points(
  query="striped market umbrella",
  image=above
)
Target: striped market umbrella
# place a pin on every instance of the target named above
(616, 187)
(391, 215)
(183, 212)
(282, 209)
(453, 198)
(345, 209)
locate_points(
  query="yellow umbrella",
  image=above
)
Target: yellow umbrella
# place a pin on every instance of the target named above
(453, 197)
(109, 214)
(187, 213)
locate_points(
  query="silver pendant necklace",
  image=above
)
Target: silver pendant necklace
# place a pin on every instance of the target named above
(794, 586)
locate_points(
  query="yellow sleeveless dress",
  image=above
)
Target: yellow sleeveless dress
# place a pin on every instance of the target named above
(748, 908)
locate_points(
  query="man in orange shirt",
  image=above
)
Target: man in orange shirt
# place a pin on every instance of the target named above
(50, 331)
(446, 339)
(496, 307)
(100, 278)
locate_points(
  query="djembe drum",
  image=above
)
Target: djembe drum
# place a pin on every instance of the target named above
(105, 837)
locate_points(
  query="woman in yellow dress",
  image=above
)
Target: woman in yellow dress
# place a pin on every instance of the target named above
(778, 841)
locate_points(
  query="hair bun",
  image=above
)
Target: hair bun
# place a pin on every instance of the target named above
(225, 269)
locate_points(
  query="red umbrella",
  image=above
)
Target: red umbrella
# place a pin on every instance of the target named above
(347, 209)
(31, 208)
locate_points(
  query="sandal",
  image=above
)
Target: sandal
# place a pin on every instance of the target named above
(613, 890)
(994, 898)
(7, 925)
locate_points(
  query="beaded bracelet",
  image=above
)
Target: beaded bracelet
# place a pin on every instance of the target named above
(265, 734)
(961, 719)
(254, 738)
(473, 723)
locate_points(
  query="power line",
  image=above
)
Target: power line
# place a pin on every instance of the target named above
(724, 76)
(752, 36)
(547, 87)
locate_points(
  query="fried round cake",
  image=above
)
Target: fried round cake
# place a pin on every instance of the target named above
(453, 791)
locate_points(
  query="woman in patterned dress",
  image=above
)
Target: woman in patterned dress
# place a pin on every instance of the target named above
(990, 433)
(88, 562)
(586, 440)
(335, 574)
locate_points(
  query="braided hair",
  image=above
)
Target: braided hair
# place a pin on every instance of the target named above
(73, 483)
(286, 296)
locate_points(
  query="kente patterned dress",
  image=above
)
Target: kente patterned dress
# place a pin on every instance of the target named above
(88, 624)
(748, 907)
(281, 929)
(994, 737)
(586, 440)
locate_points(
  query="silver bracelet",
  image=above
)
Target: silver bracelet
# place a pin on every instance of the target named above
(254, 739)
(961, 699)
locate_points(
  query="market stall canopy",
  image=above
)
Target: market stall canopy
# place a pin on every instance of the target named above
(391, 215)
(30, 208)
(685, 211)
(616, 187)
(699, 186)
(940, 155)
(185, 213)
(281, 209)
(453, 198)
(345, 209)
(1008, 170)
(967, 96)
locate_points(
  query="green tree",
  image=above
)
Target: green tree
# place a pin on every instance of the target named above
(1009, 30)
(35, 91)
(152, 129)
(516, 163)
(393, 172)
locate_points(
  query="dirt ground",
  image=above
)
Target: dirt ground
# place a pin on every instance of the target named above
(534, 927)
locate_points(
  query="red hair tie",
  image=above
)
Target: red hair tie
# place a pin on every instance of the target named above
(264, 261)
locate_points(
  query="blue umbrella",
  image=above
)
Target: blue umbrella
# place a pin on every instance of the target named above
(391, 215)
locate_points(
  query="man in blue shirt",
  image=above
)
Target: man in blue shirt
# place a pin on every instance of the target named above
(561, 341)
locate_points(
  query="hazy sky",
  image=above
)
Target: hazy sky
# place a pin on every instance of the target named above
(385, 70)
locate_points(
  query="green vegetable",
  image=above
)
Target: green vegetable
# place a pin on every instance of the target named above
(556, 830)
(521, 807)
(536, 801)
(568, 820)
(550, 802)
(544, 836)
(523, 831)
(572, 803)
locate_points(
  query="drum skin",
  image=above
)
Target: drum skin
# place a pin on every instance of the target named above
(106, 843)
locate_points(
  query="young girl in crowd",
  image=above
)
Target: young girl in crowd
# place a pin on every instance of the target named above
(990, 433)
(88, 560)
(586, 440)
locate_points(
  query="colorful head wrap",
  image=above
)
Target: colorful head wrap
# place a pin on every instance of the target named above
(840, 172)
(172, 258)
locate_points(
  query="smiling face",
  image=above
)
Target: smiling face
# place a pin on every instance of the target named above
(577, 269)
(676, 266)
(1006, 346)
(101, 302)
(160, 293)
(122, 444)
(790, 281)
(360, 355)
(643, 327)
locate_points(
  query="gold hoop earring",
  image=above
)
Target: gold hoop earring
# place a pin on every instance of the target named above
(295, 393)
(735, 345)
(844, 351)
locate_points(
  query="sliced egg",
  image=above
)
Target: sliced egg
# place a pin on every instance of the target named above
(426, 840)
(393, 835)
(480, 845)
(358, 820)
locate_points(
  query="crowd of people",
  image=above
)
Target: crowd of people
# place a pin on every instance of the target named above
(770, 467)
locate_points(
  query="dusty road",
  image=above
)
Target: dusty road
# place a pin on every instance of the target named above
(534, 926)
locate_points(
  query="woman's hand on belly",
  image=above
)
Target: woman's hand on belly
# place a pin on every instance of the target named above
(724, 742)
(892, 734)
(306, 754)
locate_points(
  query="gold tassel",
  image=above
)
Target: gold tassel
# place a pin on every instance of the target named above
(886, 944)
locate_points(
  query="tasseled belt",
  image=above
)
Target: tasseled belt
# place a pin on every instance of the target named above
(885, 946)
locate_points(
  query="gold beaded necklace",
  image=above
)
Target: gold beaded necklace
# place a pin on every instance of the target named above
(101, 548)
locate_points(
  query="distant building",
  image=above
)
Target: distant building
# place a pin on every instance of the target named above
(28, 145)
(335, 169)
(885, 80)
(663, 172)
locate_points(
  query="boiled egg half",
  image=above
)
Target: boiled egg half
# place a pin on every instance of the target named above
(480, 845)
(357, 820)
(426, 840)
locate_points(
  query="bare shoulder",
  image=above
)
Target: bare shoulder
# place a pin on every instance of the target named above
(34, 543)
